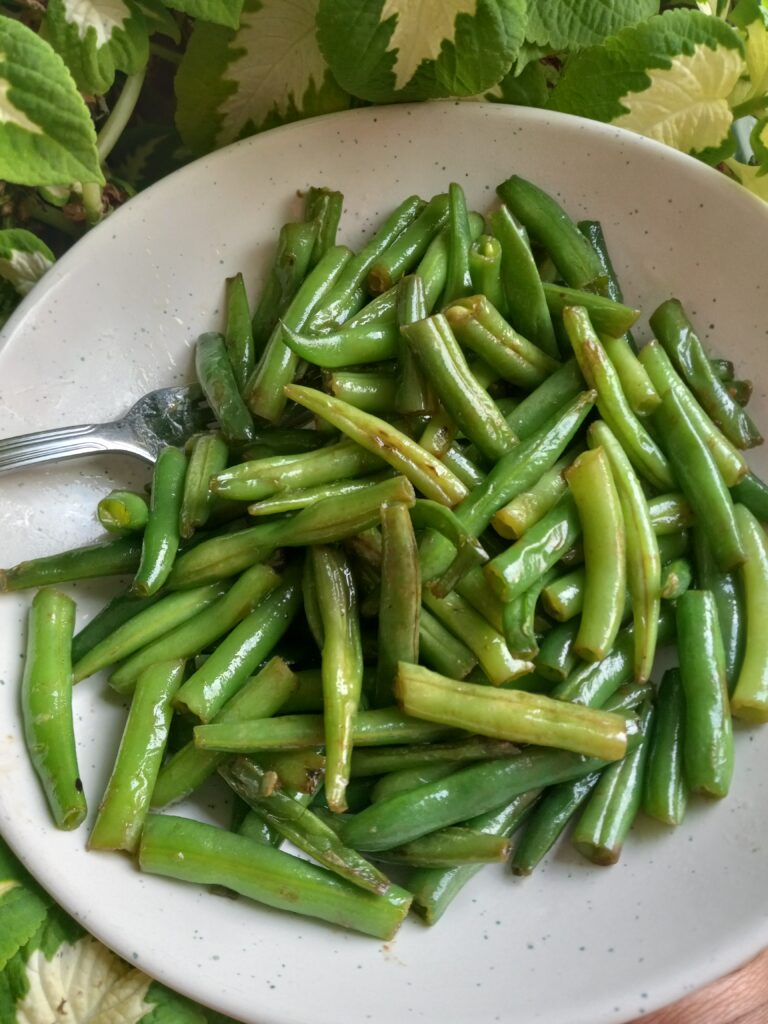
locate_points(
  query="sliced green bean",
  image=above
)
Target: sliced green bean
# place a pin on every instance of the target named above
(302, 497)
(408, 248)
(485, 256)
(46, 706)
(528, 508)
(708, 732)
(413, 394)
(208, 455)
(161, 537)
(226, 670)
(449, 847)
(750, 695)
(238, 332)
(400, 598)
(123, 511)
(417, 757)
(752, 492)
(295, 244)
(403, 779)
(676, 578)
(196, 852)
(217, 379)
(728, 589)
(665, 794)
(458, 281)
(558, 390)
(633, 375)
(112, 616)
(439, 648)
(556, 658)
(374, 392)
(549, 819)
(607, 317)
(670, 513)
(424, 471)
(368, 343)
(510, 714)
(93, 560)
(125, 804)
(675, 332)
(324, 206)
(519, 618)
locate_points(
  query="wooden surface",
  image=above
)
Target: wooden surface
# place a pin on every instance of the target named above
(741, 998)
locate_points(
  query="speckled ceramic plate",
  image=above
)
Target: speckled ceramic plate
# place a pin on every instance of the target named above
(573, 944)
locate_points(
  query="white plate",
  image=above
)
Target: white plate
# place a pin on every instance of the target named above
(573, 944)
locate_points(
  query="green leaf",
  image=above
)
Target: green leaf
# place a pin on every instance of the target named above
(219, 12)
(758, 138)
(46, 132)
(751, 177)
(669, 78)
(24, 258)
(528, 88)
(96, 38)
(269, 72)
(23, 905)
(385, 50)
(9, 300)
(159, 20)
(573, 24)
(147, 152)
(752, 18)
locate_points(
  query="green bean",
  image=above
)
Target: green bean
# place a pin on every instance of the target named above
(160, 541)
(610, 286)
(641, 449)
(480, 327)
(665, 795)
(469, 791)
(238, 332)
(123, 511)
(676, 578)
(277, 366)
(300, 771)
(226, 670)
(561, 387)
(282, 441)
(444, 364)
(435, 888)
(408, 248)
(403, 779)
(750, 695)
(633, 375)
(346, 296)
(196, 852)
(112, 616)
(342, 665)
(486, 643)
(675, 332)
(528, 508)
(261, 696)
(509, 714)
(474, 588)
(670, 513)
(441, 649)
(424, 471)
(413, 395)
(458, 281)
(125, 804)
(191, 635)
(46, 706)
(728, 590)
(208, 456)
(723, 369)
(217, 379)
(301, 827)
(381, 727)
(297, 498)
(613, 804)
(607, 317)
(485, 256)
(556, 658)
(375, 392)
(294, 250)
(148, 625)
(309, 693)
(563, 597)
(368, 343)
(594, 682)
(517, 568)
(708, 733)
(417, 757)
(751, 492)
(550, 226)
(400, 598)
(449, 847)
(111, 559)
(427, 514)
(526, 307)
(740, 391)
(700, 480)
(730, 461)
(323, 206)
(548, 820)
(519, 618)
(251, 481)
(643, 561)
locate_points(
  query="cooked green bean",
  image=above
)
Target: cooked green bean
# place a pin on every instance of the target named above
(676, 578)
(324, 206)
(160, 541)
(400, 598)
(449, 847)
(408, 248)
(509, 714)
(112, 616)
(519, 618)
(556, 658)
(485, 256)
(196, 852)
(550, 226)
(381, 727)
(217, 379)
(740, 390)
(125, 803)
(294, 499)
(558, 390)
(728, 590)
(528, 508)
(675, 332)
(670, 513)
(548, 819)
(93, 560)
(373, 391)
(192, 635)
(226, 670)
(633, 375)
(665, 794)
(750, 695)
(458, 282)
(752, 492)
(391, 760)
(261, 696)
(295, 244)
(123, 511)
(424, 471)
(208, 455)
(403, 779)
(441, 649)
(607, 317)
(46, 706)
(238, 332)
(368, 343)
(526, 307)
(708, 733)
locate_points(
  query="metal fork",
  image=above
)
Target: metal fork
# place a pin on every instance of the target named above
(167, 416)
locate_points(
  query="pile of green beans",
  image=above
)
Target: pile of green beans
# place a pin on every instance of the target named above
(406, 596)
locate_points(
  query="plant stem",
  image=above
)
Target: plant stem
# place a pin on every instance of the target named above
(92, 201)
(165, 53)
(45, 214)
(121, 112)
(751, 106)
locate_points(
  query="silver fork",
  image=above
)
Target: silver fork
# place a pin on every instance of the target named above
(167, 416)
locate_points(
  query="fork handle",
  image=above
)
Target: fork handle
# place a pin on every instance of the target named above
(64, 443)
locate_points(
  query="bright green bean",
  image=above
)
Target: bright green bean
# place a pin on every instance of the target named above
(161, 534)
